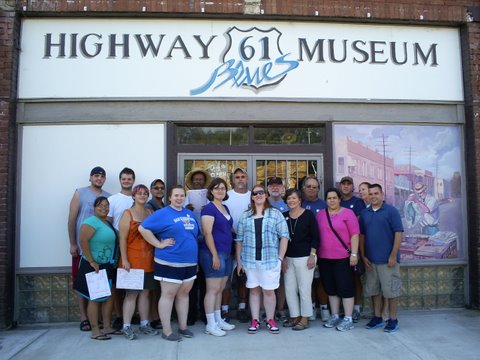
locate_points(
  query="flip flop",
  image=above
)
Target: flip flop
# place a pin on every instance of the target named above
(115, 332)
(85, 326)
(101, 337)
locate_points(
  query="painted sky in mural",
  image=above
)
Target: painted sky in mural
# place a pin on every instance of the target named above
(424, 181)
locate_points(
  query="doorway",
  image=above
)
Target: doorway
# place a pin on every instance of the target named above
(292, 168)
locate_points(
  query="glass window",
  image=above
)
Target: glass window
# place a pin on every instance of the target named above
(289, 136)
(189, 135)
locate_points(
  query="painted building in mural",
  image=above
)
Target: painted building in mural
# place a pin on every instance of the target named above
(381, 102)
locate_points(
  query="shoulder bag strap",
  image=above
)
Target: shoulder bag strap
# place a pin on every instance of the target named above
(336, 234)
(115, 249)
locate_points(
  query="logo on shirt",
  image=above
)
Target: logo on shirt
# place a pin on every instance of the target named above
(188, 222)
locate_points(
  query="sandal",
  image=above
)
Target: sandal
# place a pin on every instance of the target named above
(100, 337)
(301, 325)
(85, 326)
(115, 332)
(292, 322)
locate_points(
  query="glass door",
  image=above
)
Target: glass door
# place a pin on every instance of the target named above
(292, 168)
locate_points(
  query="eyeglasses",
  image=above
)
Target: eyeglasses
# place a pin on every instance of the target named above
(259, 192)
(158, 188)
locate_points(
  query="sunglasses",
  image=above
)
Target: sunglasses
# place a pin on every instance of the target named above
(260, 192)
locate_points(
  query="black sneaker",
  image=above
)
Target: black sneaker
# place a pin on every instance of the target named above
(392, 326)
(117, 324)
(376, 322)
(242, 315)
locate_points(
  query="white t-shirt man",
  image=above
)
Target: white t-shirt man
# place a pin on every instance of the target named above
(237, 203)
(118, 204)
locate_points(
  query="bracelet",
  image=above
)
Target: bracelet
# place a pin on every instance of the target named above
(313, 254)
(354, 255)
(279, 258)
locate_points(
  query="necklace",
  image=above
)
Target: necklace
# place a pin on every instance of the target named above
(292, 228)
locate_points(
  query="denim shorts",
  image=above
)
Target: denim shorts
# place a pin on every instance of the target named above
(205, 257)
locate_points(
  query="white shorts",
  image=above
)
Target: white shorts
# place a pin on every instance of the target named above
(266, 279)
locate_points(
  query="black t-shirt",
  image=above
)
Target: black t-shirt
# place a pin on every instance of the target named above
(303, 234)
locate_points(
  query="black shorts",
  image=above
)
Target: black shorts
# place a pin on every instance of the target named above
(175, 274)
(337, 277)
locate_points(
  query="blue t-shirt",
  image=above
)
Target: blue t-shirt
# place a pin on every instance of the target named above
(354, 203)
(221, 230)
(102, 243)
(314, 206)
(280, 205)
(379, 228)
(180, 225)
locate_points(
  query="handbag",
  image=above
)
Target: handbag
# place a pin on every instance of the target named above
(360, 267)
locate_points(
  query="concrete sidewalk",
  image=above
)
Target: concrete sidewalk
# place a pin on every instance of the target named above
(437, 334)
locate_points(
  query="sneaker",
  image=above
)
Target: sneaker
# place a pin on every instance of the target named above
(376, 322)
(325, 315)
(272, 326)
(281, 316)
(128, 333)
(313, 317)
(332, 322)
(356, 316)
(156, 324)
(117, 324)
(148, 330)
(345, 325)
(254, 325)
(223, 325)
(226, 315)
(172, 337)
(214, 330)
(185, 333)
(242, 315)
(392, 326)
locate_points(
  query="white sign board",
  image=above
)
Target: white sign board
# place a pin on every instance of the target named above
(195, 59)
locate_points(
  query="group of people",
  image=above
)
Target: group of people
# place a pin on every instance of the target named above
(269, 241)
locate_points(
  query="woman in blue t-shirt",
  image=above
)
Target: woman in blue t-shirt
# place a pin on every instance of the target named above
(173, 232)
(215, 253)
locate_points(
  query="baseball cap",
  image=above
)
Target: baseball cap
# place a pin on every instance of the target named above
(98, 170)
(275, 180)
(346, 178)
(240, 169)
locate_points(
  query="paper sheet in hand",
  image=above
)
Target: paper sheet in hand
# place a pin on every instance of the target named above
(98, 286)
(132, 279)
(198, 198)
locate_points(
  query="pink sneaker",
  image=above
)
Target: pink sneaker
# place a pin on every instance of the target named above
(254, 325)
(272, 326)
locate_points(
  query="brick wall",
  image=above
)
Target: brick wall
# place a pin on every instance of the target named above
(433, 10)
(8, 71)
(471, 57)
(406, 11)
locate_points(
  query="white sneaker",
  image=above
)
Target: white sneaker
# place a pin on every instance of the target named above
(325, 314)
(223, 325)
(313, 317)
(214, 330)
